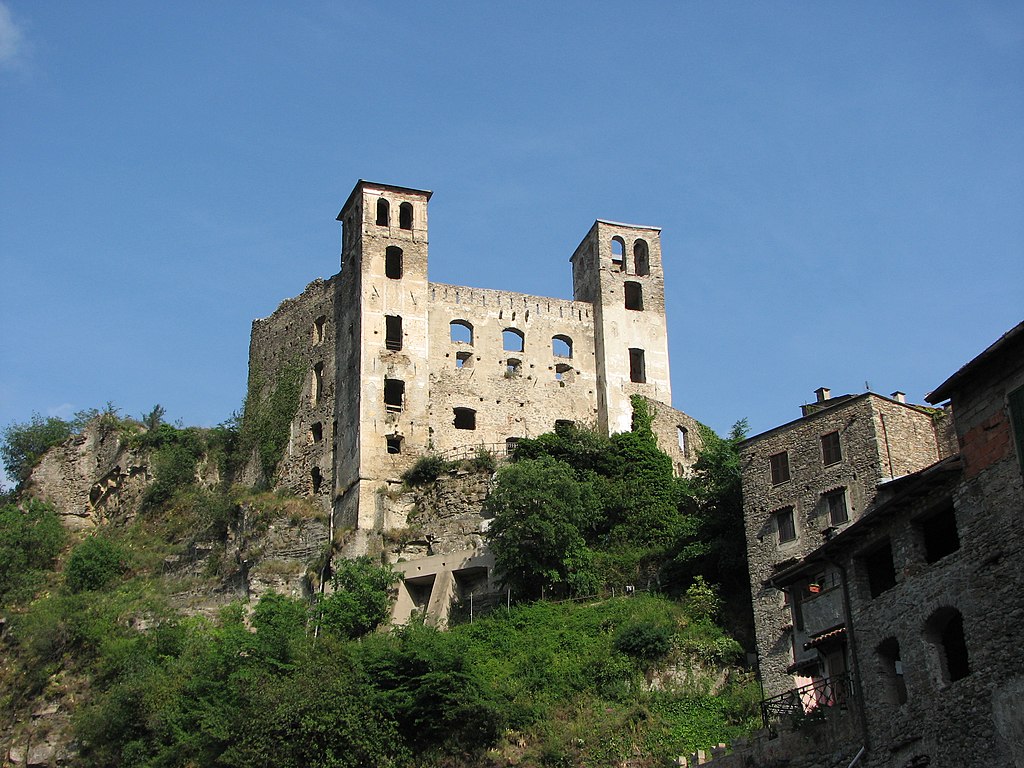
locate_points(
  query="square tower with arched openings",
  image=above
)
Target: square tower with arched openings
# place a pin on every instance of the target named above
(617, 269)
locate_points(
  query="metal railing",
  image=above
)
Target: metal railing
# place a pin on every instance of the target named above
(809, 699)
(500, 451)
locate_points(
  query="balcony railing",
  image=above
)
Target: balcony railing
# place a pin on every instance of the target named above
(810, 699)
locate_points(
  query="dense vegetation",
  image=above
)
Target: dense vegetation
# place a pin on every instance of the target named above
(299, 682)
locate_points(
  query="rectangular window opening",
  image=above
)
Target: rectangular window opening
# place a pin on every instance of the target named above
(786, 525)
(831, 452)
(940, 533)
(779, 463)
(637, 368)
(838, 513)
(394, 395)
(393, 332)
(879, 567)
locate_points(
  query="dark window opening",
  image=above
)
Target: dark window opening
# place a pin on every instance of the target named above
(316, 432)
(317, 385)
(393, 443)
(618, 254)
(463, 359)
(892, 671)
(637, 369)
(318, 329)
(513, 368)
(641, 258)
(383, 212)
(563, 373)
(779, 463)
(512, 340)
(634, 296)
(838, 513)
(954, 647)
(393, 262)
(561, 346)
(465, 418)
(563, 425)
(394, 395)
(405, 216)
(786, 525)
(940, 533)
(393, 332)
(510, 445)
(460, 332)
(831, 452)
(880, 569)
(317, 477)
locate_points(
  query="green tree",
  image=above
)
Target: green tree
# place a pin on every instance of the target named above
(24, 444)
(30, 540)
(94, 563)
(361, 600)
(539, 509)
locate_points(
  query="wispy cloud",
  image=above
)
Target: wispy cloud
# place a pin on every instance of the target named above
(12, 39)
(62, 411)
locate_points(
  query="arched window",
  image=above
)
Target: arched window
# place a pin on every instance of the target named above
(683, 436)
(634, 296)
(317, 478)
(465, 418)
(394, 395)
(316, 432)
(564, 373)
(405, 216)
(561, 346)
(463, 360)
(383, 212)
(317, 385)
(460, 332)
(512, 340)
(510, 445)
(318, 330)
(393, 262)
(393, 332)
(618, 254)
(641, 258)
(513, 368)
(945, 630)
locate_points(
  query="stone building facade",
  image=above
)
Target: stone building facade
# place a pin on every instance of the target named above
(393, 366)
(903, 624)
(808, 480)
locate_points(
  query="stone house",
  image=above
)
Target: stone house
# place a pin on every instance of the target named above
(391, 366)
(904, 623)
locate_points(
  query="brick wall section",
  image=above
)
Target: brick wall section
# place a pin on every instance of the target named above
(879, 438)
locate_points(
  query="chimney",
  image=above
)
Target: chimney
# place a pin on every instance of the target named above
(899, 397)
(823, 394)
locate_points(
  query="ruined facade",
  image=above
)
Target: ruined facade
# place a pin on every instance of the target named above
(392, 366)
(898, 626)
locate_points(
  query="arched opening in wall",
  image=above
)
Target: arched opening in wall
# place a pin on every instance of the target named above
(637, 367)
(393, 332)
(512, 340)
(634, 296)
(945, 632)
(513, 368)
(394, 395)
(641, 258)
(510, 446)
(561, 346)
(465, 418)
(895, 686)
(564, 374)
(383, 212)
(463, 360)
(618, 254)
(393, 262)
(317, 478)
(316, 432)
(393, 443)
(460, 332)
(316, 386)
(405, 216)
(318, 330)
(683, 438)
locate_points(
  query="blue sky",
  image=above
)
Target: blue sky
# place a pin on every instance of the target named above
(840, 185)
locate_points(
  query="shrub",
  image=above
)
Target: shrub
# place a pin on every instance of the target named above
(426, 470)
(24, 444)
(646, 640)
(30, 540)
(361, 601)
(93, 564)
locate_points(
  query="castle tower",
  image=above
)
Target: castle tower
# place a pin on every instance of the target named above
(617, 268)
(382, 345)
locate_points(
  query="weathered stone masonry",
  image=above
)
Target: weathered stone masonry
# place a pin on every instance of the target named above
(396, 366)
